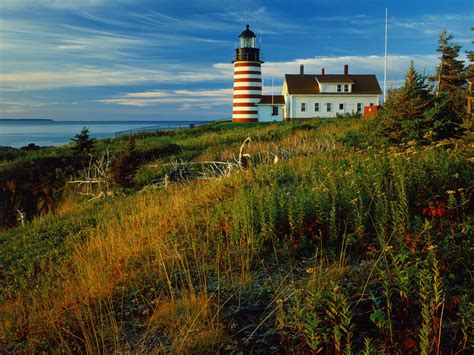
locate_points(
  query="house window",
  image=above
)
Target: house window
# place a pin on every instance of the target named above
(339, 88)
(328, 107)
(274, 110)
(371, 104)
(346, 88)
(303, 107)
(316, 106)
(341, 106)
(359, 107)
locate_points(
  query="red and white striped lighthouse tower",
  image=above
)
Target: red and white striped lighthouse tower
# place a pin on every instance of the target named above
(247, 78)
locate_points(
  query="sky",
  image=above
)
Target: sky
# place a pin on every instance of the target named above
(171, 60)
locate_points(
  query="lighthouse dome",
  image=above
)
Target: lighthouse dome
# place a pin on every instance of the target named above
(247, 33)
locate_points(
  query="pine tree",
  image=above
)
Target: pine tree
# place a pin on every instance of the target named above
(470, 80)
(450, 75)
(125, 167)
(84, 144)
(403, 116)
(444, 122)
(470, 68)
(414, 113)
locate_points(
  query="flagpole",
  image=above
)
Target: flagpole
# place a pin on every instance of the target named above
(385, 58)
(272, 93)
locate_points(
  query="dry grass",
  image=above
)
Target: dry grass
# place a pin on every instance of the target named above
(149, 278)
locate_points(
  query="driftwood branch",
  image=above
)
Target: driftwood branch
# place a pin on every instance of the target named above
(180, 171)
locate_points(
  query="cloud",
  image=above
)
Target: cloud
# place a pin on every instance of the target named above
(397, 66)
(114, 76)
(430, 25)
(185, 98)
(22, 105)
(371, 64)
(179, 74)
(54, 4)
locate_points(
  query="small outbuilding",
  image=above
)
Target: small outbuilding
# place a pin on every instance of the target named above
(271, 108)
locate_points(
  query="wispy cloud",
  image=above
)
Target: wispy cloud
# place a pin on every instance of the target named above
(89, 76)
(114, 76)
(54, 4)
(185, 98)
(113, 52)
(272, 70)
(430, 25)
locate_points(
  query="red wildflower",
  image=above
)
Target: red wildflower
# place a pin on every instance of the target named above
(435, 208)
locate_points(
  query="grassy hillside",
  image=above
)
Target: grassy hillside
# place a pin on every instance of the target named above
(327, 241)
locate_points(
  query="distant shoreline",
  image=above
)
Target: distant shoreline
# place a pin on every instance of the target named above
(45, 133)
(26, 120)
(49, 120)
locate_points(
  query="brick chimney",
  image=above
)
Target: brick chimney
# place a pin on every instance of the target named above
(301, 69)
(322, 71)
(346, 69)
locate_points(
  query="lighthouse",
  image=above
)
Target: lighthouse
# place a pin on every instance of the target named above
(247, 78)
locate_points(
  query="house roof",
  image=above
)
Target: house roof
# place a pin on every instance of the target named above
(307, 85)
(267, 100)
(334, 79)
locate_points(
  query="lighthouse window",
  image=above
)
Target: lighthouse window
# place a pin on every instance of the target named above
(339, 88)
(316, 106)
(246, 42)
(303, 107)
(328, 107)
(275, 111)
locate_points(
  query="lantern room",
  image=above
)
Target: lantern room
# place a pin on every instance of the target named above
(247, 38)
(247, 50)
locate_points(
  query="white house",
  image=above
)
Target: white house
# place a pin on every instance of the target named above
(326, 95)
(271, 108)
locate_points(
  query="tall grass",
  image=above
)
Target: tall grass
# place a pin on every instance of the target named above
(332, 244)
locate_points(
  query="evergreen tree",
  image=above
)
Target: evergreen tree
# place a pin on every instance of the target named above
(443, 120)
(470, 67)
(470, 80)
(413, 113)
(84, 144)
(403, 116)
(125, 167)
(450, 75)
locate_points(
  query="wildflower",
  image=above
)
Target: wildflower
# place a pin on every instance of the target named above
(431, 248)
(461, 189)
(435, 209)
(388, 248)
(450, 192)
(354, 201)
(310, 271)
(279, 302)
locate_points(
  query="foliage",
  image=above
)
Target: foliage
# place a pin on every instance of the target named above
(413, 113)
(83, 143)
(324, 251)
(329, 240)
(450, 73)
(125, 167)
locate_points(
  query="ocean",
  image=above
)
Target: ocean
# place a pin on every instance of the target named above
(19, 133)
